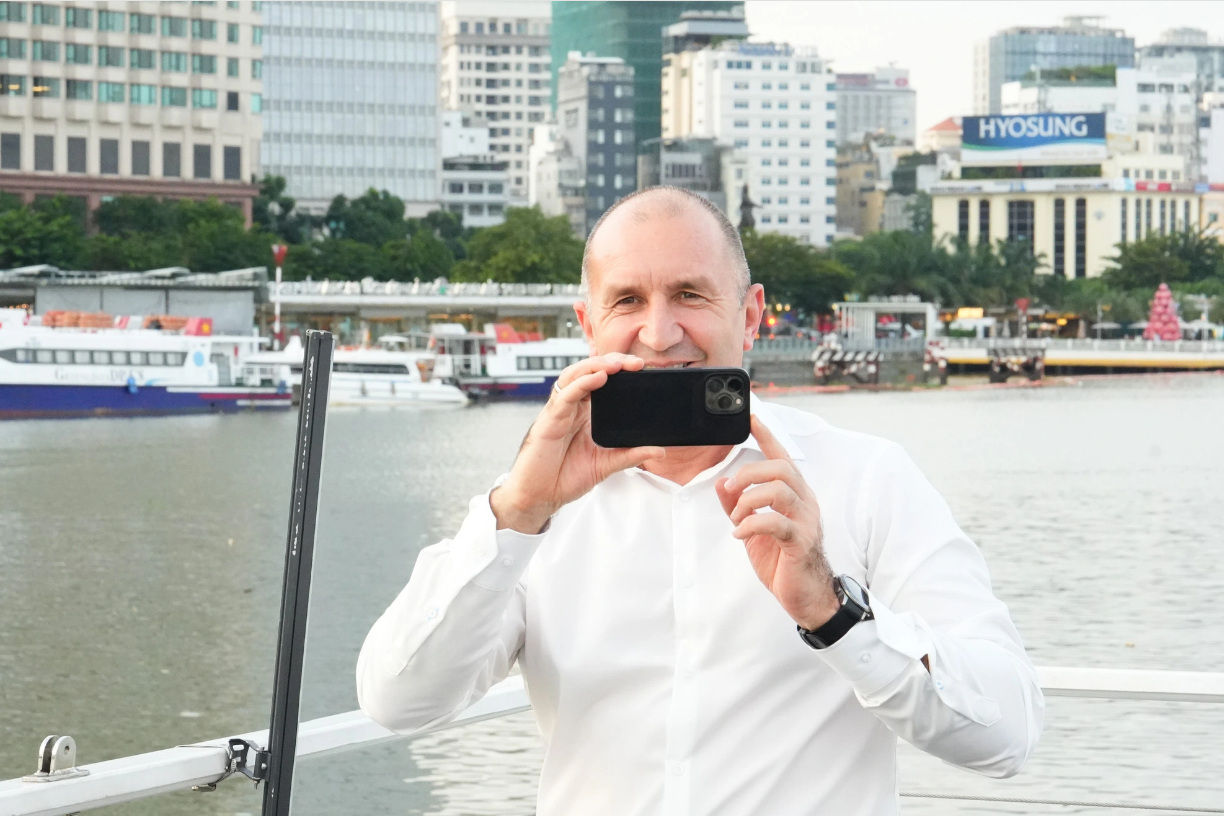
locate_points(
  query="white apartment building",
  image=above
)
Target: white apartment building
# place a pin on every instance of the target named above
(138, 98)
(880, 103)
(351, 100)
(496, 69)
(776, 105)
(474, 181)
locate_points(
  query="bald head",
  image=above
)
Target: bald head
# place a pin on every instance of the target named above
(654, 203)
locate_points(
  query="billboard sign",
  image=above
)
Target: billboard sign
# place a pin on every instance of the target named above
(1033, 139)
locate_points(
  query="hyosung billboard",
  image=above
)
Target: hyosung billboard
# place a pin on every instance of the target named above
(1033, 139)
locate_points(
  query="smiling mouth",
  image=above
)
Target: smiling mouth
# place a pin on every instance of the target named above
(668, 365)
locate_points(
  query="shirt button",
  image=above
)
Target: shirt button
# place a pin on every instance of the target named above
(508, 560)
(433, 612)
(678, 770)
(938, 684)
(865, 658)
(684, 497)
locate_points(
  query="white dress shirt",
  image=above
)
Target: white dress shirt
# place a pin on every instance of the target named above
(666, 679)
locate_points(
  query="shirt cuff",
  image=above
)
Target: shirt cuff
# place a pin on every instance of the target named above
(875, 652)
(491, 558)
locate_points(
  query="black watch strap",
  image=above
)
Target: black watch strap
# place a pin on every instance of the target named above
(852, 611)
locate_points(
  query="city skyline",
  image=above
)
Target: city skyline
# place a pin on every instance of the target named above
(845, 35)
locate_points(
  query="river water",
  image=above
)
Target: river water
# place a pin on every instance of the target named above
(140, 571)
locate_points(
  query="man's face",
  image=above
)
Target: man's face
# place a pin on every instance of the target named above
(665, 289)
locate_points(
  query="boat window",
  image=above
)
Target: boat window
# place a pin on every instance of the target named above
(101, 358)
(535, 363)
(521, 363)
(157, 358)
(22, 356)
(138, 357)
(371, 368)
(63, 356)
(80, 357)
(174, 358)
(44, 356)
(119, 357)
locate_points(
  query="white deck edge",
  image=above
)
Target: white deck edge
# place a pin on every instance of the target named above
(143, 775)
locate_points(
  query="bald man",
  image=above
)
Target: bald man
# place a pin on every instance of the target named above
(707, 630)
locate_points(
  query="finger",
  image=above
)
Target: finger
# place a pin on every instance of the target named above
(771, 470)
(777, 496)
(607, 363)
(770, 446)
(727, 498)
(623, 458)
(568, 397)
(774, 525)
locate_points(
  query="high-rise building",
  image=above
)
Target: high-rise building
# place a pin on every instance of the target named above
(595, 117)
(351, 100)
(878, 104)
(495, 68)
(474, 180)
(101, 99)
(776, 106)
(631, 31)
(1012, 53)
(1208, 56)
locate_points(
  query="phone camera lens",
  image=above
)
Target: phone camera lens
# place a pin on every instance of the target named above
(735, 384)
(724, 402)
(714, 385)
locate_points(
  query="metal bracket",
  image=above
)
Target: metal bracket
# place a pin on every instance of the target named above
(56, 761)
(239, 751)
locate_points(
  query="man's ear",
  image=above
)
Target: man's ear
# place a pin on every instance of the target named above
(754, 309)
(584, 320)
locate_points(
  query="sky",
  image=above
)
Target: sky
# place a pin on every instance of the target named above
(934, 38)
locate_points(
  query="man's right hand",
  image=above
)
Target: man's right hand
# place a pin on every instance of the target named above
(558, 461)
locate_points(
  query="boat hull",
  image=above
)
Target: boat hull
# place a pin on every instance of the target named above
(509, 389)
(24, 401)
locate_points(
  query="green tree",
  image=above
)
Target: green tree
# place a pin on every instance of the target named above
(795, 273)
(527, 247)
(127, 215)
(447, 226)
(1187, 256)
(424, 256)
(900, 262)
(336, 259)
(375, 218)
(275, 212)
(47, 234)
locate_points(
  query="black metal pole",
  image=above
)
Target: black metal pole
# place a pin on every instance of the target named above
(299, 557)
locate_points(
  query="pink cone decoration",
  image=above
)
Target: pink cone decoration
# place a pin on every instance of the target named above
(1162, 323)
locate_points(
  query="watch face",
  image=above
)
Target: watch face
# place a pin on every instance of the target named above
(854, 592)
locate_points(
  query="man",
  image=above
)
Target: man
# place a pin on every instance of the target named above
(652, 596)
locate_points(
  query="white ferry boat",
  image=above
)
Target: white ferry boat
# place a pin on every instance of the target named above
(501, 363)
(375, 377)
(75, 372)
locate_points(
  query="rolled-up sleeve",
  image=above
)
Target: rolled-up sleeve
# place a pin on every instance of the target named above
(455, 629)
(979, 706)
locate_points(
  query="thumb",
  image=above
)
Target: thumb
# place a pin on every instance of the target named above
(623, 458)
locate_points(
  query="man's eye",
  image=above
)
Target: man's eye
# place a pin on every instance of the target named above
(626, 301)
(690, 295)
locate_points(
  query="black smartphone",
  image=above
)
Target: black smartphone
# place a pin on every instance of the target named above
(671, 407)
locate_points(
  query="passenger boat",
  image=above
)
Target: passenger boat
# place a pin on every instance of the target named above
(374, 377)
(52, 371)
(501, 362)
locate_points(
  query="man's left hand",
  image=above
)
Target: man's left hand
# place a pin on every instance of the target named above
(786, 546)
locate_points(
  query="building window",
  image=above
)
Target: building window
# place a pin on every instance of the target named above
(201, 162)
(455, 187)
(984, 221)
(12, 49)
(1020, 221)
(76, 154)
(140, 158)
(1162, 217)
(142, 94)
(78, 54)
(110, 92)
(231, 33)
(1060, 237)
(174, 26)
(174, 97)
(108, 156)
(231, 160)
(256, 35)
(142, 23)
(12, 12)
(46, 87)
(78, 89)
(12, 85)
(173, 61)
(44, 51)
(475, 209)
(44, 15)
(203, 29)
(78, 18)
(231, 66)
(962, 220)
(231, 101)
(142, 58)
(203, 98)
(256, 69)
(1081, 237)
(257, 104)
(44, 153)
(110, 56)
(172, 159)
(1186, 214)
(1122, 236)
(203, 64)
(110, 21)
(10, 151)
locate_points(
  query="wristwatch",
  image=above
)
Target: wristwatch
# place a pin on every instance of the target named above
(854, 608)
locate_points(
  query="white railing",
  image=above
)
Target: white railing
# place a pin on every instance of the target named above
(1086, 344)
(182, 767)
(369, 286)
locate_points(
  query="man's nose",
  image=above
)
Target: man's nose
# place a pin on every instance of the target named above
(660, 330)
